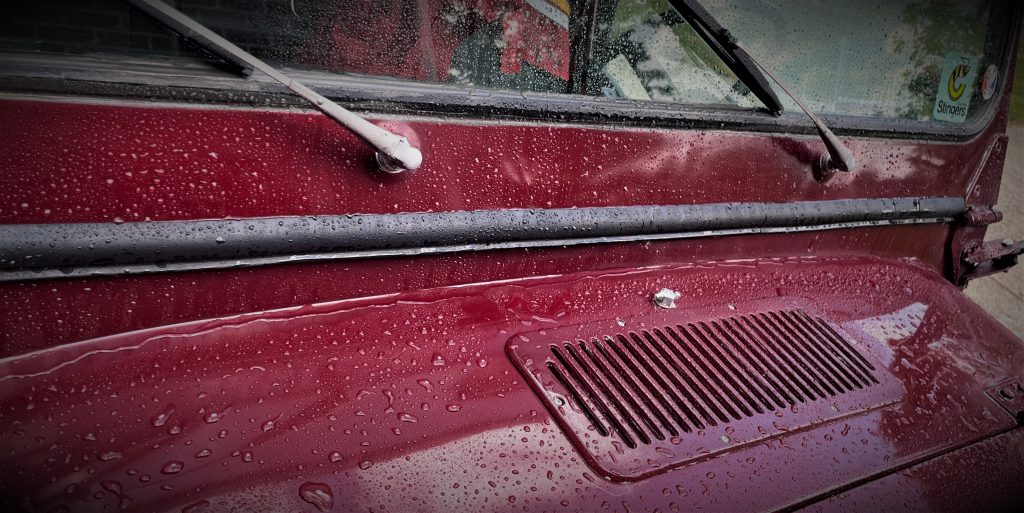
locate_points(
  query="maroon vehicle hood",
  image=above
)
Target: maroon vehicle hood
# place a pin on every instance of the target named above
(437, 400)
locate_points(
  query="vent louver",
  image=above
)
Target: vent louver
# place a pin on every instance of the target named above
(638, 401)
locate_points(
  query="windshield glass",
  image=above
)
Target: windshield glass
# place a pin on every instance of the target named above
(914, 59)
(928, 60)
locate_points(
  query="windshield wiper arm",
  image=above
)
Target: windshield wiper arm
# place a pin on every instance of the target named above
(394, 153)
(752, 74)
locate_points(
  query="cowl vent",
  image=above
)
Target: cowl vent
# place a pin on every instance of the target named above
(639, 401)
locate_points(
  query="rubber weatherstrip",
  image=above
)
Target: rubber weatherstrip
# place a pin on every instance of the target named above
(40, 251)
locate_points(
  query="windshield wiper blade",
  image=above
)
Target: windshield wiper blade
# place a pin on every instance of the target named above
(394, 153)
(752, 74)
(723, 44)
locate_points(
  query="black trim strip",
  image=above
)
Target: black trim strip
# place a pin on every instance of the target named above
(37, 251)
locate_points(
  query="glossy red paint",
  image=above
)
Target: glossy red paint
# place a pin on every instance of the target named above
(383, 385)
(35, 313)
(137, 162)
(406, 402)
(953, 482)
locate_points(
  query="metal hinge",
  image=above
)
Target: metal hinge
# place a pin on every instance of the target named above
(981, 216)
(990, 257)
(1009, 394)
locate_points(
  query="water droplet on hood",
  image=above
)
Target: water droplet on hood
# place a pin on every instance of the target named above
(195, 507)
(161, 418)
(112, 455)
(317, 494)
(115, 488)
(112, 486)
(268, 425)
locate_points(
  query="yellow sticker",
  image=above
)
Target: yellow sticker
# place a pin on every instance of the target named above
(953, 98)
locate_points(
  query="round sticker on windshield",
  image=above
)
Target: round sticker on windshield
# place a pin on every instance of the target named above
(988, 81)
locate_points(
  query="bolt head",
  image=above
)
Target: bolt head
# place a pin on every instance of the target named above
(666, 298)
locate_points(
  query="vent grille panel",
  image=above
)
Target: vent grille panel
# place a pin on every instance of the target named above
(631, 398)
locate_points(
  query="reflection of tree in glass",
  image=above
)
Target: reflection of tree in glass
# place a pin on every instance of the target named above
(672, 62)
(932, 29)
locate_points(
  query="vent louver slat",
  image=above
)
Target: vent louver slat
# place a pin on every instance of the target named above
(658, 390)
